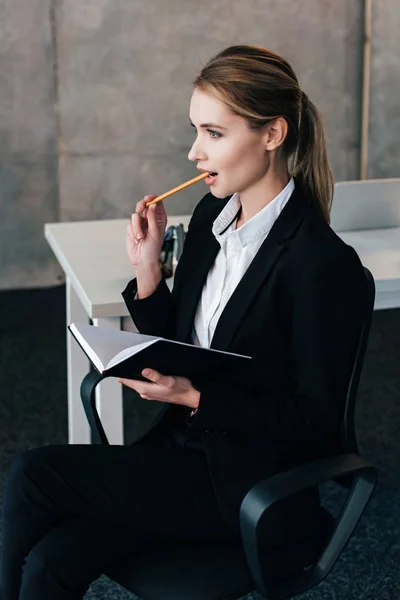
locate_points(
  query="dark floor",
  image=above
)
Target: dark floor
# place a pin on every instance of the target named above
(33, 413)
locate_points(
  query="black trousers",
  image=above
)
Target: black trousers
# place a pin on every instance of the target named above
(72, 511)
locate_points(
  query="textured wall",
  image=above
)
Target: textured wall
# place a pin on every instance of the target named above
(28, 157)
(384, 127)
(125, 72)
(95, 96)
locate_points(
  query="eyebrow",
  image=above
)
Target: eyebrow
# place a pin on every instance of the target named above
(205, 125)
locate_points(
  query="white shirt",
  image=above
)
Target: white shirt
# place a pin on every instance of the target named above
(238, 248)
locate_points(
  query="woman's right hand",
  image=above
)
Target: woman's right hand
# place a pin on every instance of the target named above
(145, 233)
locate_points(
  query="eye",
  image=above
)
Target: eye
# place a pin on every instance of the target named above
(214, 134)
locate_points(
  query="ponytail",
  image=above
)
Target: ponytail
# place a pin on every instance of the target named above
(310, 161)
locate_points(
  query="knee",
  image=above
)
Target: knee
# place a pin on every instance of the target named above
(34, 573)
(46, 574)
(38, 574)
(26, 462)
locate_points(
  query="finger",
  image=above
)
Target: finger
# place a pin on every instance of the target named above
(141, 205)
(139, 386)
(144, 389)
(137, 227)
(156, 377)
(131, 383)
(160, 209)
(139, 218)
(157, 220)
(144, 226)
(130, 233)
(159, 212)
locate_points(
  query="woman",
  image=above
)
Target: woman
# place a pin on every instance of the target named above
(262, 274)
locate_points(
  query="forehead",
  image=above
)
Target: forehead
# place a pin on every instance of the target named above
(206, 107)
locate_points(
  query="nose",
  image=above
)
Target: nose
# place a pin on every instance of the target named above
(195, 152)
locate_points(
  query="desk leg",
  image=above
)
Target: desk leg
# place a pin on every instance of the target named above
(109, 396)
(77, 367)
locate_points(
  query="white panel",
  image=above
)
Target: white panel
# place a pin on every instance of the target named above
(370, 204)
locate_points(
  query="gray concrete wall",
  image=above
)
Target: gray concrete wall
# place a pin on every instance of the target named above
(95, 109)
(28, 148)
(384, 114)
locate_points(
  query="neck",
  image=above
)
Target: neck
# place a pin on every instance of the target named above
(256, 197)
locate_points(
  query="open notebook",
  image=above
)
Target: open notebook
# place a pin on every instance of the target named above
(125, 354)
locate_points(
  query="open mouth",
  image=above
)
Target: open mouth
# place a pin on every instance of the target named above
(211, 177)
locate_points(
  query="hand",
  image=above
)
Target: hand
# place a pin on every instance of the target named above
(165, 388)
(145, 233)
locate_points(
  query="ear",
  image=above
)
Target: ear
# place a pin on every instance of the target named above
(275, 133)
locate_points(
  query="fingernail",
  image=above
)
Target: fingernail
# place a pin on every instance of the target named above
(139, 236)
(146, 372)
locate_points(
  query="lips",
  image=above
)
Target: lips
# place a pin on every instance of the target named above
(212, 173)
(211, 178)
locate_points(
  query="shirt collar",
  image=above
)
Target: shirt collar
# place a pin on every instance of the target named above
(255, 228)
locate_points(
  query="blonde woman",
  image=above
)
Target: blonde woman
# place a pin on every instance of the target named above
(263, 274)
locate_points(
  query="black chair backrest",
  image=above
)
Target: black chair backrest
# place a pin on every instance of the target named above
(348, 435)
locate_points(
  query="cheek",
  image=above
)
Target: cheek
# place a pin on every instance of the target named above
(242, 156)
(230, 159)
(244, 165)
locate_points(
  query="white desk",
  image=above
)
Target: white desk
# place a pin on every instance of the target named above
(93, 257)
(379, 251)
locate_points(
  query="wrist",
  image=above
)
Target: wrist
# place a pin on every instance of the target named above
(148, 269)
(147, 278)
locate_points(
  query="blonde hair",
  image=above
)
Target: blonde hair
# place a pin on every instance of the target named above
(259, 85)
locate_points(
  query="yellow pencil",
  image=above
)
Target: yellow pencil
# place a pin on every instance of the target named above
(179, 188)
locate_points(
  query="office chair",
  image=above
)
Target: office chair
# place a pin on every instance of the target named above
(228, 571)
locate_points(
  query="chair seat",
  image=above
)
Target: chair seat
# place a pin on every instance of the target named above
(207, 571)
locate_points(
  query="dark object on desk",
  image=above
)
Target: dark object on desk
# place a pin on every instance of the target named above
(179, 238)
(172, 249)
(210, 571)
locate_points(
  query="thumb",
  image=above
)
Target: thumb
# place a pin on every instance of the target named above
(156, 220)
(156, 377)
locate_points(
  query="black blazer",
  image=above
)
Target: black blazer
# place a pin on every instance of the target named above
(298, 312)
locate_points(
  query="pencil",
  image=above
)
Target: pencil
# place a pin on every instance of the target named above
(178, 189)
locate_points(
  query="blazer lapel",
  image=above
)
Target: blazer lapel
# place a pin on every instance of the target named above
(259, 270)
(207, 251)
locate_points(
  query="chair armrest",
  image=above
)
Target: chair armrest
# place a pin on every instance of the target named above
(88, 397)
(270, 491)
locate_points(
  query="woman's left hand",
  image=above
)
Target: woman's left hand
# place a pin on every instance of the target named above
(165, 388)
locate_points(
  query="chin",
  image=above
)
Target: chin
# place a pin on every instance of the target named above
(220, 193)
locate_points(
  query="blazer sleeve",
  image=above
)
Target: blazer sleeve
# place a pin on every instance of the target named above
(326, 322)
(156, 314)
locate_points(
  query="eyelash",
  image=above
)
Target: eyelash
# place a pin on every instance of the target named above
(213, 137)
(216, 136)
